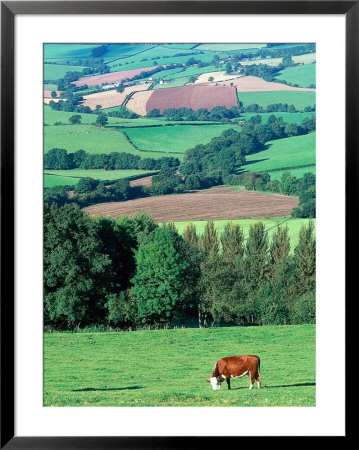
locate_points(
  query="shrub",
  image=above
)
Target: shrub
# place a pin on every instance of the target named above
(303, 309)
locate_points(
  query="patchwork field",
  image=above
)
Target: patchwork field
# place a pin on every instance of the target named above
(215, 203)
(109, 99)
(174, 138)
(194, 97)
(126, 369)
(173, 83)
(283, 154)
(47, 93)
(300, 99)
(301, 75)
(112, 77)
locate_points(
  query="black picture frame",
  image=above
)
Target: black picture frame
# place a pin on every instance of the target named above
(9, 10)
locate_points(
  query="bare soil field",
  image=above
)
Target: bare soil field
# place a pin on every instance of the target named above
(217, 76)
(217, 203)
(137, 103)
(47, 93)
(112, 77)
(145, 181)
(194, 97)
(256, 84)
(109, 99)
(48, 100)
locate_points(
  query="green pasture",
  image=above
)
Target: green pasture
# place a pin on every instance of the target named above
(170, 367)
(271, 224)
(73, 175)
(295, 172)
(300, 99)
(56, 71)
(68, 50)
(55, 180)
(283, 154)
(174, 138)
(287, 117)
(52, 116)
(229, 47)
(92, 139)
(50, 86)
(303, 76)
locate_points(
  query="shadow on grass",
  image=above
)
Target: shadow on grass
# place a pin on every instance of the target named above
(277, 387)
(89, 389)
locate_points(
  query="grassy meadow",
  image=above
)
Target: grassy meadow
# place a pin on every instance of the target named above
(300, 99)
(169, 367)
(174, 138)
(73, 175)
(303, 76)
(284, 155)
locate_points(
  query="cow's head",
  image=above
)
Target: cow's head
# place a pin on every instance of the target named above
(216, 385)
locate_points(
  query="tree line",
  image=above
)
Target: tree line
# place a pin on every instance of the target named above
(132, 273)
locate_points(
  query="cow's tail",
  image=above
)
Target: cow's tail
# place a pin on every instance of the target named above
(259, 366)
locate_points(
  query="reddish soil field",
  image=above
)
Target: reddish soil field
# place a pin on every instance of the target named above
(145, 181)
(47, 93)
(192, 96)
(216, 203)
(112, 77)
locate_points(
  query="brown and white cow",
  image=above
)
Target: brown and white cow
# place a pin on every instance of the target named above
(235, 367)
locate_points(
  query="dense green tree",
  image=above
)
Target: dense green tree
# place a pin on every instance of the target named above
(158, 286)
(232, 240)
(101, 120)
(75, 120)
(209, 239)
(279, 248)
(256, 255)
(74, 267)
(305, 259)
(86, 184)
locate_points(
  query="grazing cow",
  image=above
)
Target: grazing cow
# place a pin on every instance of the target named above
(235, 367)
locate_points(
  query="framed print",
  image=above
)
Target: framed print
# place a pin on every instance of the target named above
(176, 182)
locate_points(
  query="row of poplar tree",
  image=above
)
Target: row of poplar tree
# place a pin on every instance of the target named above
(132, 273)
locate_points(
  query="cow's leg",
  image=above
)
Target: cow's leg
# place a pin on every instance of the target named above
(259, 381)
(252, 378)
(228, 382)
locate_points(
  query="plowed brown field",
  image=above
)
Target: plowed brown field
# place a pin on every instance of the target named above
(144, 181)
(192, 96)
(216, 203)
(112, 77)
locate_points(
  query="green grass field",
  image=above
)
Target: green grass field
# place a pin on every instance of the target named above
(56, 71)
(300, 99)
(303, 76)
(276, 174)
(174, 139)
(72, 176)
(287, 117)
(294, 226)
(228, 47)
(173, 83)
(52, 116)
(283, 154)
(55, 180)
(169, 367)
(92, 139)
